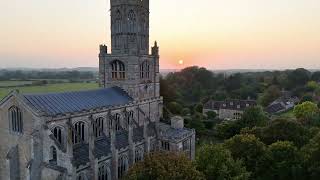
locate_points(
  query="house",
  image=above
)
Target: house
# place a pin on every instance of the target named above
(282, 104)
(228, 109)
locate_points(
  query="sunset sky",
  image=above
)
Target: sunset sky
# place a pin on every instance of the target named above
(217, 34)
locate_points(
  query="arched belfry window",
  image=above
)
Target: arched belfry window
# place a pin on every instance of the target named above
(104, 172)
(118, 70)
(118, 25)
(145, 70)
(131, 21)
(15, 117)
(98, 127)
(79, 135)
(122, 166)
(57, 132)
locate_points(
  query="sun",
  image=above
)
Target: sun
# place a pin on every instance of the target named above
(180, 62)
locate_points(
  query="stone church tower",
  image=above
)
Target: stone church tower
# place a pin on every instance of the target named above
(95, 134)
(129, 65)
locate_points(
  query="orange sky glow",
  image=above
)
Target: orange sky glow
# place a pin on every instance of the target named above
(229, 34)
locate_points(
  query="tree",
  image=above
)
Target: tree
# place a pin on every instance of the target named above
(312, 86)
(166, 91)
(185, 111)
(311, 156)
(198, 108)
(216, 162)
(251, 151)
(271, 94)
(282, 130)
(306, 111)
(233, 82)
(285, 161)
(253, 116)
(196, 123)
(211, 115)
(298, 77)
(163, 166)
(227, 129)
(175, 108)
(316, 76)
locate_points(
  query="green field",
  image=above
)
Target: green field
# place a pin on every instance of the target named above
(14, 83)
(63, 87)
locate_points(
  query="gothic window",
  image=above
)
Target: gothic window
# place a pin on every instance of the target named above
(79, 135)
(145, 70)
(165, 145)
(117, 118)
(118, 26)
(186, 145)
(53, 153)
(81, 176)
(98, 127)
(131, 21)
(57, 132)
(129, 117)
(104, 172)
(153, 146)
(15, 117)
(138, 155)
(122, 166)
(117, 70)
(110, 125)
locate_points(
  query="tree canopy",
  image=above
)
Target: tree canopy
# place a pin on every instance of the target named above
(306, 111)
(163, 166)
(216, 162)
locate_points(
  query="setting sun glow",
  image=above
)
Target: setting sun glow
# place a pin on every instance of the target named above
(181, 62)
(230, 34)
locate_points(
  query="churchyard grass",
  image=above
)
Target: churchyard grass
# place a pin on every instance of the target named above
(63, 87)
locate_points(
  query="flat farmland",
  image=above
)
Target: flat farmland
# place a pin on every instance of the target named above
(50, 88)
(14, 83)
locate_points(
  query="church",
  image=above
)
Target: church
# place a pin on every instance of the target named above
(96, 134)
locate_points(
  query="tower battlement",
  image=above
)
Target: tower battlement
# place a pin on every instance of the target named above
(143, 3)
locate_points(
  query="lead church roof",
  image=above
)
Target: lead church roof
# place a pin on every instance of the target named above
(53, 104)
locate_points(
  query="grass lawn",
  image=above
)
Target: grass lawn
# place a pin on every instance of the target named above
(63, 87)
(288, 114)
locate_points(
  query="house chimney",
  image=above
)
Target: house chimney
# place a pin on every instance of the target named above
(177, 122)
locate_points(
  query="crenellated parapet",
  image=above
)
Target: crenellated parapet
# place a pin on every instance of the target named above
(143, 3)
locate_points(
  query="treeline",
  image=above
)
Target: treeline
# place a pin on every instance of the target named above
(27, 75)
(251, 148)
(194, 85)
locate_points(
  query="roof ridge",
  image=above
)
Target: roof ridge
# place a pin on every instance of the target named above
(65, 92)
